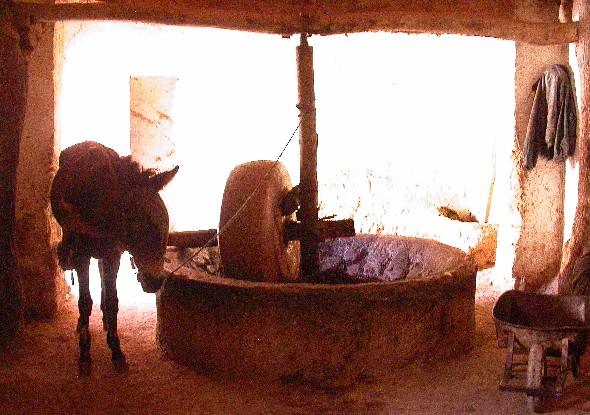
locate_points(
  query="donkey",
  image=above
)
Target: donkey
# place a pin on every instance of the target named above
(107, 204)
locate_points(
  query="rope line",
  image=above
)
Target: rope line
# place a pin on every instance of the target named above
(239, 211)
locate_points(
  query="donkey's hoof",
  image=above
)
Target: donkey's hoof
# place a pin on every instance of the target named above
(84, 368)
(120, 365)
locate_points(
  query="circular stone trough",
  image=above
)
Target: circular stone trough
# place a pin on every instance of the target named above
(415, 301)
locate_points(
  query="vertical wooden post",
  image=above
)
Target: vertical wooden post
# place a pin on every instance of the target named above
(308, 143)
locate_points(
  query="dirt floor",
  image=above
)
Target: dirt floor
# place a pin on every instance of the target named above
(38, 375)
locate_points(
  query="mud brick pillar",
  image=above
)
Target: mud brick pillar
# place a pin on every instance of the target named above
(13, 101)
(152, 135)
(539, 246)
(37, 232)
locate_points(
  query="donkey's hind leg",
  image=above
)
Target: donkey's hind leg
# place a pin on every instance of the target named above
(108, 268)
(82, 264)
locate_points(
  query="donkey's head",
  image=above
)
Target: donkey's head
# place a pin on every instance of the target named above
(145, 227)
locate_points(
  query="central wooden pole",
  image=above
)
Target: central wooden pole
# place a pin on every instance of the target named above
(308, 144)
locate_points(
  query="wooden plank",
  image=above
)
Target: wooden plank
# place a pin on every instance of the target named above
(336, 228)
(327, 229)
(193, 239)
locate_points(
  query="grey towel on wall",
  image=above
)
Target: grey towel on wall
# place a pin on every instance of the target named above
(552, 128)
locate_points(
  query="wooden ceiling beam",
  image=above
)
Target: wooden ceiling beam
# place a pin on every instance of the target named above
(289, 21)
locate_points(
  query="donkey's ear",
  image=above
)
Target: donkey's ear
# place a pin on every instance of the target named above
(158, 181)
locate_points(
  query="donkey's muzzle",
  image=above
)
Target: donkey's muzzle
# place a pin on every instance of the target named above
(150, 283)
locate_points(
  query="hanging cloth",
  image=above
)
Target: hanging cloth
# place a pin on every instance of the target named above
(552, 127)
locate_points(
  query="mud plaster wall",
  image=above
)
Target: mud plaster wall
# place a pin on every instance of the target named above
(432, 135)
(152, 135)
(13, 80)
(542, 189)
(36, 232)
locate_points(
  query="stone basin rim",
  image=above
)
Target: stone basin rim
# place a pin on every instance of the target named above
(197, 276)
(461, 264)
(321, 334)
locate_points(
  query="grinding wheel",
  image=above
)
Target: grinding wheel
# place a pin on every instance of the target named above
(252, 246)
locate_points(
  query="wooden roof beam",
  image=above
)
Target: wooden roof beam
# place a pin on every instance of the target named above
(499, 28)
(289, 21)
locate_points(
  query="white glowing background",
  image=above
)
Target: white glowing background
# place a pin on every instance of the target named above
(434, 106)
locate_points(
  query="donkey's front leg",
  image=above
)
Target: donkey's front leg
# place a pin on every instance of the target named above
(82, 264)
(108, 268)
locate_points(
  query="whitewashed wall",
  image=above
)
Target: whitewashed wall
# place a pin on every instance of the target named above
(414, 119)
